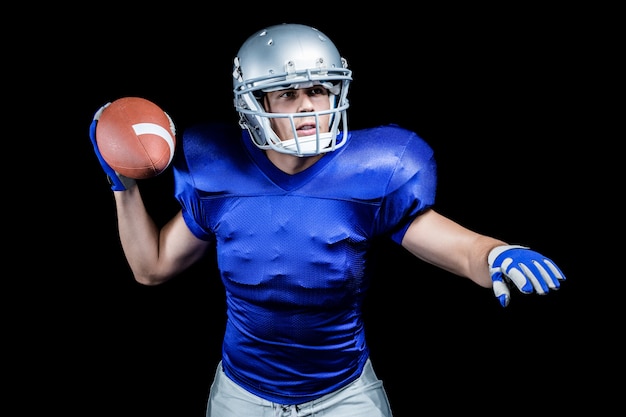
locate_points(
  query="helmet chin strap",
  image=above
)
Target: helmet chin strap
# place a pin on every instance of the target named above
(308, 144)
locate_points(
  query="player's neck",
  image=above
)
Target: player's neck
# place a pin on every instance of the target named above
(291, 164)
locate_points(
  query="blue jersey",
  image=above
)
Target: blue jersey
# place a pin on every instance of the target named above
(291, 249)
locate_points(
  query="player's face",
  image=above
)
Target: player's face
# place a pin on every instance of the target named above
(298, 101)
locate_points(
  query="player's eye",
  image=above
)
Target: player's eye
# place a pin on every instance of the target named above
(318, 91)
(287, 94)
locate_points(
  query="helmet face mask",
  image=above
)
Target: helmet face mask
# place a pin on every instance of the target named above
(283, 57)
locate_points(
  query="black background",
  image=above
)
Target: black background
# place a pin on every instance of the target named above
(507, 98)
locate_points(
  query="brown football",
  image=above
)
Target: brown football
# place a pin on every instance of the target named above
(136, 137)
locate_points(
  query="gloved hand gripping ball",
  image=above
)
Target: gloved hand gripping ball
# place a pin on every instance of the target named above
(134, 137)
(528, 270)
(118, 182)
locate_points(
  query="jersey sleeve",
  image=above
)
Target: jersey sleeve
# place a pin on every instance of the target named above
(412, 187)
(184, 192)
(196, 162)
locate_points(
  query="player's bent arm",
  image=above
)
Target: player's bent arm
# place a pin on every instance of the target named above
(154, 255)
(450, 246)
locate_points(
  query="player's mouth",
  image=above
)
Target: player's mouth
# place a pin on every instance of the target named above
(306, 130)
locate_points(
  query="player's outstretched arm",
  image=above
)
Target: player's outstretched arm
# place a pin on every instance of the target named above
(487, 261)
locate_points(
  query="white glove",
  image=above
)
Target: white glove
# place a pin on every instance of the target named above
(528, 270)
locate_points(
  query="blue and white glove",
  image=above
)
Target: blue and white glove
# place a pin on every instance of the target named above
(118, 181)
(528, 270)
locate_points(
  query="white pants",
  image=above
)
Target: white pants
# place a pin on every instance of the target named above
(365, 397)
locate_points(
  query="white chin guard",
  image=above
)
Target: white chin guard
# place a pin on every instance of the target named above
(307, 144)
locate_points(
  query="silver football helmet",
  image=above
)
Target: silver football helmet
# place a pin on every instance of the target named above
(291, 56)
